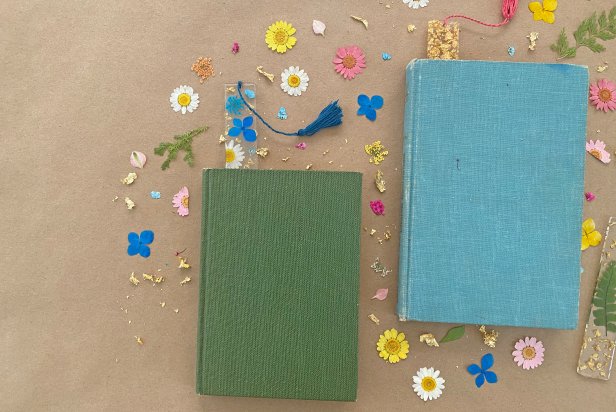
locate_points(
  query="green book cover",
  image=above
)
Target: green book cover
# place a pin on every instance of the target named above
(279, 284)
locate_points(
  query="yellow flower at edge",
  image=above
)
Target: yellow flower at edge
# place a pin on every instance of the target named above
(543, 12)
(590, 237)
(392, 346)
(279, 36)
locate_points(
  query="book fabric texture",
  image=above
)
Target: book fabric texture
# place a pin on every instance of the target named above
(279, 284)
(492, 193)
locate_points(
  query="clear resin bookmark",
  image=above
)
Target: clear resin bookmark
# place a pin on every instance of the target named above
(240, 137)
(597, 352)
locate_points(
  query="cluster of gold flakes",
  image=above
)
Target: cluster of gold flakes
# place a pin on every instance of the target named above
(263, 152)
(361, 20)
(410, 28)
(266, 74)
(443, 40)
(132, 279)
(377, 151)
(139, 340)
(532, 40)
(129, 203)
(203, 68)
(429, 339)
(378, 267)
(373, 318)
(183, 263)
(379, 181)
(489, 338)
(153, 279)
(130, 178)
(598, 351)
(185, 281)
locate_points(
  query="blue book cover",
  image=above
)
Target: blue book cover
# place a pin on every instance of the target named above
(492, 193)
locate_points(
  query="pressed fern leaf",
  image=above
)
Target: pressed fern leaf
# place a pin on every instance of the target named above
(586, 35)
(604, 300)
(183, 142)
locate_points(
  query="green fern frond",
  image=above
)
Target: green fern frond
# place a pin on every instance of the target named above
(183, 142)
(586, 35)
(604, 300)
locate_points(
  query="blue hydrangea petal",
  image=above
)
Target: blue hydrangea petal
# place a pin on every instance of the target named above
(376, 102)
(371, 114)
(361, 111)
(247, 121)
(479, 380)
(491, 377)
(133, 249)
(487, 361)
(363, 100)
(147, 237)
(237, 123)
(133, 237)
(144, 251)
(249, 93)
(473, 369)
(235, 131)
(250, 135)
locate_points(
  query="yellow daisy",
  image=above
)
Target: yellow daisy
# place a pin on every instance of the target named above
(279, 36)
(590, 237)
(392, 346)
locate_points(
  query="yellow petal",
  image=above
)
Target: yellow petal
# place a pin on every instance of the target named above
(594, 238)
(400, 337)
(291, 42)
(394, 333)
(538, 15)
(393, 358)
(585, 242)
(281, 48)
(403, 350)
(383, 354)
(550, 5)
(548, 17)
(402, 355)
(588, 226)
(291, 30)
(535, 7)
(387, 334)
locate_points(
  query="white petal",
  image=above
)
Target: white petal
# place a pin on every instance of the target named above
(318, 27)
(183, 109)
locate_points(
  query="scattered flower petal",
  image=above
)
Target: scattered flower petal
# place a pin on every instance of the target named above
(597, 150)
(386, 56)
(282, 113)
(155, 195)
(392, 346)
(590, 196)
(184, 99)
(381, 294)
(294, 81)
(482, 372)
(369, 105)
(318, 27)
(180, 201)
(138, 244)
(250, 93)
(415, 4)
(603, 95)
(236, 48)
(349, 61)
(590, 236)
(528, 353)
(428, 384)
(279, 36)
(301, 145)
(543, 11)
(137, 159)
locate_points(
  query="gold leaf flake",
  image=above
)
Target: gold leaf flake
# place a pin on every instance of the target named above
(183, 264)
(387, 234)
(362, 20)
(379, 181)
(410, 28)
(176, 310)
(284, 159)
(372, 232)
(139, 340)
(373, 318)
(266, 74)
(325, 152)
(132, 279)
(532, 40)
(601, 69)
(378, 267)
(185, 281)
(263, 151)
(132, 176)
(114, 199)
(429, 340)
(162, 304)
(153, 279)
(222, 139)
(309, 166)
(147, 277)
(489, 338)
(129, 203)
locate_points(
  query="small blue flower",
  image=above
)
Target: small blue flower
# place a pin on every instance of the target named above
(155, 195)
(137, 244)
(243, 127)
(369, 105)
(386, 56)
(282, 113)
(249, 93)
(484, 374)
(234, 105)
(511, 51)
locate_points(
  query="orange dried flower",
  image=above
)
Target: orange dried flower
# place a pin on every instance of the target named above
(203, 68)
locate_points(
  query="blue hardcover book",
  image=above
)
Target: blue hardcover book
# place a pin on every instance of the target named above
(492, 193)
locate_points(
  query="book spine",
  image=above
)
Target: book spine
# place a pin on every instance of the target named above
(404, 278)
(205, 196)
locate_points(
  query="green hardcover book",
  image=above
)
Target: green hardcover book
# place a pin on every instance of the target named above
(279, 284)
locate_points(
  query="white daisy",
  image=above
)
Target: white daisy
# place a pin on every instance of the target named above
(233, 156)
(415, 4)
(184, 99)
(428, 384)
(294, 80)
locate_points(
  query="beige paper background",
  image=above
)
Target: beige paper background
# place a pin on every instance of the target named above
(85, 82)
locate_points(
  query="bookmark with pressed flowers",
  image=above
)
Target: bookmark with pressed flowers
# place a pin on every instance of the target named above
(597, 353)
(240, 137)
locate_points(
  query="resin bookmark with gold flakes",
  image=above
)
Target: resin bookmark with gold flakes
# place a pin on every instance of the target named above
(240, 137)
(597, 352)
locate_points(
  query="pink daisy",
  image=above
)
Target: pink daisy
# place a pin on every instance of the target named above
(603, 95)
(528, 353)
(597, 150)
(180, 200)
(349, 61)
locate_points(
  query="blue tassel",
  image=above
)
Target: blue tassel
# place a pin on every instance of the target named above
(330, 116)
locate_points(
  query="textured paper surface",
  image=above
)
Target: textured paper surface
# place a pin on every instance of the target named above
(491, 211)
(86, 82)
(279, 284)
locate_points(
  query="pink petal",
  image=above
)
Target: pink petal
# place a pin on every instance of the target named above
(381, 294)
(601, 83)
(519, 345)
(533, 341)
(341, 52)
(337, 60)
(594, 89)
(183, 211)
(611, 105)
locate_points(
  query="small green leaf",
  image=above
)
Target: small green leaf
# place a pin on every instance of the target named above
(453, 334)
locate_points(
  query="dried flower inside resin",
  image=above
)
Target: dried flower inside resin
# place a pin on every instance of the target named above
(443, 40)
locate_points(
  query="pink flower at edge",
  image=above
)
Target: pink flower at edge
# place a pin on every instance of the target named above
(377, 207)
(180, 200)
(603, 95)
(301, 145)
(597, 150)
(529, 353)
(349, 61)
